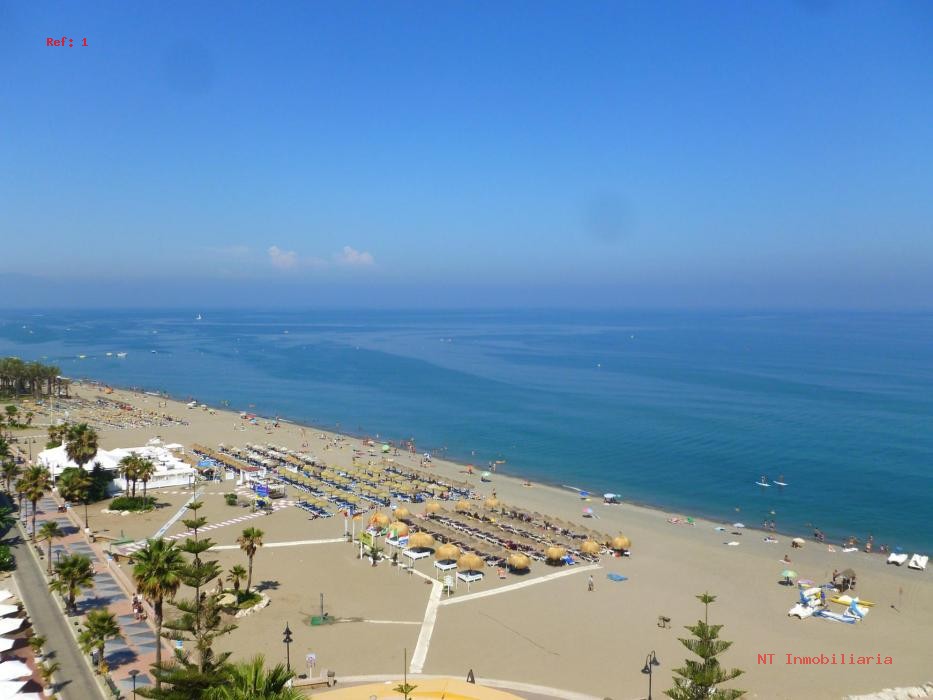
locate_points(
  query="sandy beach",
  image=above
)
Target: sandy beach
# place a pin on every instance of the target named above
(550, 630)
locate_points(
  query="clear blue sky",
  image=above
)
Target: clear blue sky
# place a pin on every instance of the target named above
(771, 154)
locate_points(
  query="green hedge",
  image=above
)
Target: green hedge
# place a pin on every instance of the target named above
(130, 503)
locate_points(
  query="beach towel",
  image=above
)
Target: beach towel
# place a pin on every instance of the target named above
(616, 577)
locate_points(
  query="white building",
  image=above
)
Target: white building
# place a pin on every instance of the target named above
(170, 470)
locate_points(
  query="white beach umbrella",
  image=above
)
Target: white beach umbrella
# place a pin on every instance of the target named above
(6, 609)
(10, 670)
(5, 595)
(5, 645)
(8, 689)
(10, 624)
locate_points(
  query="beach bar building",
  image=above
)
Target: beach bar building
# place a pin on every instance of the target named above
(170, 469)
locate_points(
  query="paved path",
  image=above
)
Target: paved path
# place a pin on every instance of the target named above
(427, 629)
(294, 543)
(174, 519)
(569, 571)
(48, 620)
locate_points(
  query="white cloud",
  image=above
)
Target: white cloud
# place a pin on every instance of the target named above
(282, 259)
(351, 256)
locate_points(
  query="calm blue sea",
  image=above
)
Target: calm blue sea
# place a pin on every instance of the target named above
(680, 410)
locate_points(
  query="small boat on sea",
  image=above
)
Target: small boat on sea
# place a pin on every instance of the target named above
(121, 354)
(198, 318)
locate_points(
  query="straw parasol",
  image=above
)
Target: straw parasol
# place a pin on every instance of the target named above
(470, 562)
(400, 529)
(432, 508)
(463, 505)
(590, 547)
(553, 554)
(492, 502)
(447, 552)
(620, 542)
(379, 519)
(518, 561)
(401, 513)
(421, 540)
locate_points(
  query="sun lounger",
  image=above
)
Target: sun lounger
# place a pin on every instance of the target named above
(897, 559)
(918, 562)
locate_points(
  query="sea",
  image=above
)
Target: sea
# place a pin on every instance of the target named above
(685, 411)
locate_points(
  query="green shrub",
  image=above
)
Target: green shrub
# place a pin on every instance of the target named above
(135, 504)
(7, 562)
(231, 499)
(247, 600)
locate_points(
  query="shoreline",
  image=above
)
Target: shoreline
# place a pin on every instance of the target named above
(699, 514)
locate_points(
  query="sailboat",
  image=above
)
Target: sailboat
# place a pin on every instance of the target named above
(198, 317)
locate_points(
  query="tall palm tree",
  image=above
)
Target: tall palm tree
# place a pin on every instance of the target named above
(157, 570)
(249, 680)
(73, 573)
(80, 443)
(35, 483)
(99, 626)
(75, 485)
(250, 542)
(144, 472)
(7, 519)
(236, 574)
(50, 531)
(129, 470)
(4, 447)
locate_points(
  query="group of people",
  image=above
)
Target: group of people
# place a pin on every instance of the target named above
(138, 610)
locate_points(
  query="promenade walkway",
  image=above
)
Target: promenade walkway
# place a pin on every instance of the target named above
(76, 682)
(135, 647)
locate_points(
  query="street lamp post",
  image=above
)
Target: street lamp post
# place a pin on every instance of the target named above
(287, 640)
(133, 673)
(650, 662)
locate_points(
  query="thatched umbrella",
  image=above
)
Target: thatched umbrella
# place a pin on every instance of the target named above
(519, 561)
(555, 554)
(401, 513)
(492, 502)
(620, 542)
(421, 540)
(379, 519)
(470, 562)
(399, 529)
(432, 508)
(590, 547)
(464, 506)
(447, 552)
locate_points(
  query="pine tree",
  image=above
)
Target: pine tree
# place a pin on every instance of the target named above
(700, 680)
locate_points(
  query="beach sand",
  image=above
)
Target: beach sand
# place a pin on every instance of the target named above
(555, 632)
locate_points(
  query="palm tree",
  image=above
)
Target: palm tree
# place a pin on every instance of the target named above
(74, 573)
(249, 680)
(129, 470)
(237, 573)
(7, 519)
(10, 471)
(99, 626)
(35, 483)
(250, 542)
(80, 443)
(144, 472)
(50, 531)
(75, 485)
(157, 570)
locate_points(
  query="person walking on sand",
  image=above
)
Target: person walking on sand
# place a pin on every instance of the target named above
(590, 584)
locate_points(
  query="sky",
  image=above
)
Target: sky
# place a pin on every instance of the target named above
(591, 154)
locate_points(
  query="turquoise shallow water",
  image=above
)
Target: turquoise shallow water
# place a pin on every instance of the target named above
(680, 410)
